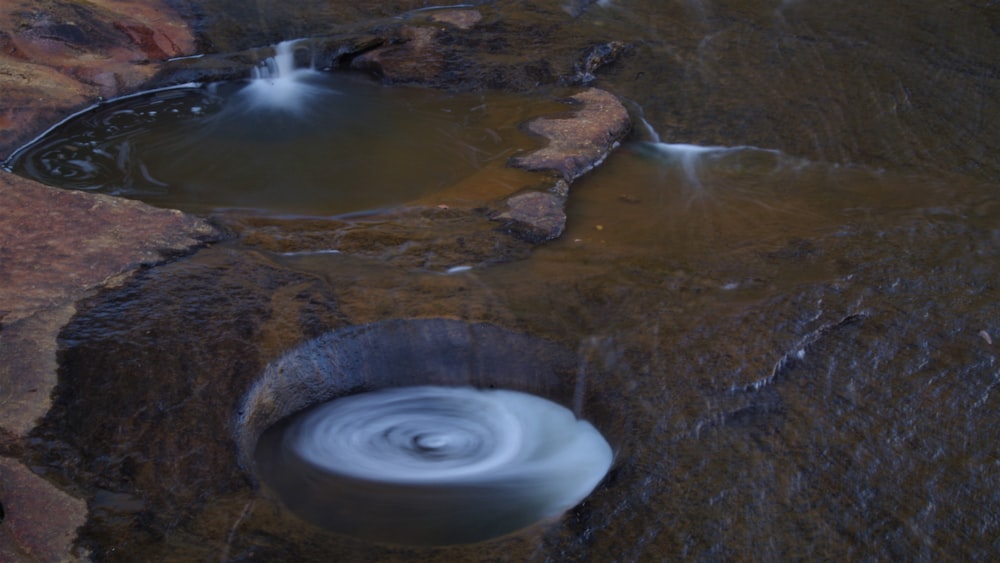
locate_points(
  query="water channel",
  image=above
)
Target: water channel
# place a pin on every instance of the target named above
(779, 297)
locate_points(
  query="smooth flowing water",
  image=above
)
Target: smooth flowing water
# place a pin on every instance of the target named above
(780, 294)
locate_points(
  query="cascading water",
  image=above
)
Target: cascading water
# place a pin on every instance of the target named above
(433, 465)
(277, 83)
(804, 354)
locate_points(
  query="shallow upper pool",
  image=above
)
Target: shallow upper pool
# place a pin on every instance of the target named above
(311, 143)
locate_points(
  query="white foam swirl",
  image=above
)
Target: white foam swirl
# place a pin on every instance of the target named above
(417, 434)
(436, 464)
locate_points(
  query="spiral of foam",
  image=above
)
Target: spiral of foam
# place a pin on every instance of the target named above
(434, 464)
(420, 435)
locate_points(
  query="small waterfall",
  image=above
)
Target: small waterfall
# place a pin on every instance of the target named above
(650, 131)
(282, 64)
(277, 84)
(691, 157)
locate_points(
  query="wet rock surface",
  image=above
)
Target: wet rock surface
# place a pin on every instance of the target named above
(534, 216)
(46, 261)
(48, 264)
(57, 56)
(431, 238)
(209, 326)
(578, 143)
(57, 246)
(575, 145)
(784, 374)
(37, 521)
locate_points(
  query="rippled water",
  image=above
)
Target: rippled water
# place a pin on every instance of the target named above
(784, 310)
(311, 143)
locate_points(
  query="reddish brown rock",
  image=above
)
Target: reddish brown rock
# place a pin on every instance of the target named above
(534, 216)
(412, 56)
(39, 521)
(56, 246)
(57, 56)
(578, 143)
(28, 368)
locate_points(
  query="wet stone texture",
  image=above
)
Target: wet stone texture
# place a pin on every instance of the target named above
(575, 145)
(37, 521)
(162, 447)
(57, 246)
(417, 237)
(578, 143)
(173, 459)
(46, 264)
(820, 393)
(60, 55)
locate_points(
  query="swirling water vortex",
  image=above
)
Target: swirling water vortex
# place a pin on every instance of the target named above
(433, 465)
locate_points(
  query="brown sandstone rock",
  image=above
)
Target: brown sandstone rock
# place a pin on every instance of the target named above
(58, 244)
(535, 216)
(412, 56)
(55, 247)
(57, 55)
(39, 521)
(578, 143)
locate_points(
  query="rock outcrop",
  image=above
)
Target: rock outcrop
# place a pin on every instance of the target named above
(576, 144)
(59, 55)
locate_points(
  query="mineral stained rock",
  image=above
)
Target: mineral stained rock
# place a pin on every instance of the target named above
(55, 247)
(59, 55)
